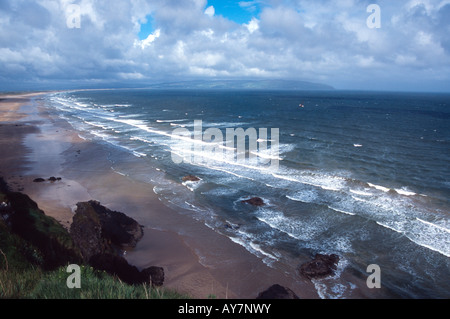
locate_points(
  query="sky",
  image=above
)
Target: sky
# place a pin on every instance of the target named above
(400, 45)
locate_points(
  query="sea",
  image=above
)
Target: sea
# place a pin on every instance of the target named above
(364, 175)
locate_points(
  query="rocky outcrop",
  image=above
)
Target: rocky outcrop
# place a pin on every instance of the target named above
(154, 274)
(190, 178)
(96, 230)
(118, 266)
(321, 266)
(277, 292)
(51, 179)
(86, 232)
(255, 201)
(231, 226)
(97, 236)
(102, 235)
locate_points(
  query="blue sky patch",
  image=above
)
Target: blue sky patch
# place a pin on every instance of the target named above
(237, 11)
(146, 28)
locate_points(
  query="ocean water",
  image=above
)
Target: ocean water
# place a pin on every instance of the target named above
(363, 175)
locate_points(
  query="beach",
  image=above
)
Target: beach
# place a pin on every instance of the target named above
(37, 143)
(344, 187)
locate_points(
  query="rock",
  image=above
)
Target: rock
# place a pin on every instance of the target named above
(101, 234)
(122, 230)
(277, 292)
(231, 226)
(39, 180)
(97, 230)
(54, 179)
(255, 201)
(86, 232)
(117, 266)
(321, 266)
(190, 178)
(154, 274)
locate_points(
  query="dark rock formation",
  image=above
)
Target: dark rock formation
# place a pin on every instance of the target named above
(277, 292)
(154, 274)
(231, 226)
(118, 266)
(102, 234)
(97, 234)
(86, 231)
(190, 178)
(255, 201)
(321, 266)
(51, 179)
(98, 230)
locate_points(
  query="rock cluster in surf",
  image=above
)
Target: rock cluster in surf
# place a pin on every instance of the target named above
(321, 266)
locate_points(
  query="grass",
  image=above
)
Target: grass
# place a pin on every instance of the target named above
(44, 232)
(37, 284)
(18, 284)
(96, 285)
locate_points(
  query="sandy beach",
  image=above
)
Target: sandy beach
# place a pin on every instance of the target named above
(36, 143)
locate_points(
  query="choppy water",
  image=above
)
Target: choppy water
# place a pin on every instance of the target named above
(362, 175)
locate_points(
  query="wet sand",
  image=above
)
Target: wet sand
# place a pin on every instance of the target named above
(196, 260)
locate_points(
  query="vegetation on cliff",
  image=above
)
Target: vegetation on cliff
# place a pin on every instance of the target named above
(35, 251)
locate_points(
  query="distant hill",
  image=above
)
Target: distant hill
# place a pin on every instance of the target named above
(244, 85)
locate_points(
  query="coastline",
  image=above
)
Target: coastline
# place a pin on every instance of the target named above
(197, 260)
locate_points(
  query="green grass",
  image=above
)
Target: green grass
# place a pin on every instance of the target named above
(36, 284)
(18, 284)
(96, 285)
(16, 253)
(44, 232)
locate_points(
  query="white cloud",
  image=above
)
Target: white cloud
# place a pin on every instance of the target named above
(9, 56)
(149, 40)
(253, 25)
(300, 39)
(210, 11)
(131, 76)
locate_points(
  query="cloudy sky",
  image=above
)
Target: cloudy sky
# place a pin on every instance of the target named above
(92, 43)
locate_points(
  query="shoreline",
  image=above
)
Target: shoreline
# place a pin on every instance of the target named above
(197, 260)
